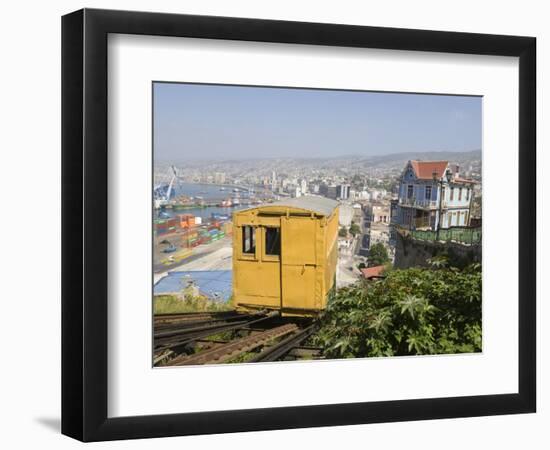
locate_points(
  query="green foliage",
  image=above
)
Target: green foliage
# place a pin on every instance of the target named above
(354, 229)
(167, 304)
(439, 261)
(342, 232)
(415, 311)
(378, 255)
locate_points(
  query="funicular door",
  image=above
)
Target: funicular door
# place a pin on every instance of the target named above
(298, 262)
(267, 277)
(257, 272)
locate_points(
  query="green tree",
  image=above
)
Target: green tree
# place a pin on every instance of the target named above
(343, 232)
(378, 255)
(354, 229)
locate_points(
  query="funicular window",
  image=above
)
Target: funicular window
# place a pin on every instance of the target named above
(273, 241)
(249, 240)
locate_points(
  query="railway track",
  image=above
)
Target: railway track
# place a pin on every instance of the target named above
(175, 328)
(214, 338)
(168, 320)
(284, 347)
(232, 349)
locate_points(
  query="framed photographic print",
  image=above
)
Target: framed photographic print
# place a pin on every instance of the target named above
(273, 224)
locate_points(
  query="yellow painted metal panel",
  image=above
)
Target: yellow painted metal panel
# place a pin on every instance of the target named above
(257, 284)
(299, 240)
(298, 287)
(274, 221)
(302, 275)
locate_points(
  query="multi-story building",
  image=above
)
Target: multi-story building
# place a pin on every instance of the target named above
(381, 213)
(329, 191)
(342, 191)
(296, 192)
(273, 181)
(303, 186)
(430, 190)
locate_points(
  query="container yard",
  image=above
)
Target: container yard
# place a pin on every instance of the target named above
(178, 238)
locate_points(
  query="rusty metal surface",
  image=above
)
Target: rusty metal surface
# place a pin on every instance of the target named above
(280, 349)
(185, 337)
(233, 349)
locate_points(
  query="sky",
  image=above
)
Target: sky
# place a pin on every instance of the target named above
(201, 121)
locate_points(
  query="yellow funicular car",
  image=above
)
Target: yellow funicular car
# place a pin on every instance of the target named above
(285, 254)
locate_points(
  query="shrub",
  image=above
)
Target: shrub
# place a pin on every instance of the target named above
(168, 304)
(411, 312)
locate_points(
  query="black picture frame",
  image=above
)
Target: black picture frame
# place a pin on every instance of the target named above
(84, 224)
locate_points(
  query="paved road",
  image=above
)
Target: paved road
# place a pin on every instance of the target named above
(198, 252)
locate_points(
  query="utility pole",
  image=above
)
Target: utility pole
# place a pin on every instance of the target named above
(448, 176)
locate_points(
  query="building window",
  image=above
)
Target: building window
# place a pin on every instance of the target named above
(459, 194)
(467, 194)
(452, 193)
(443, 193)
(410, 188)
(273, 241)
(428, 194)
(249, 240)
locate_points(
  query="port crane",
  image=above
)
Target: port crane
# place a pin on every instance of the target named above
(162, 193)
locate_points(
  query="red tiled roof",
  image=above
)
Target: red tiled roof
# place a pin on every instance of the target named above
(371, 272)
(424, 169)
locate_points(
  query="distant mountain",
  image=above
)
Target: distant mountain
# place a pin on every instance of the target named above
(353, 162)
(402, 158)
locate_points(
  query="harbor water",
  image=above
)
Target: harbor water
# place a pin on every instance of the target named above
(206, 192)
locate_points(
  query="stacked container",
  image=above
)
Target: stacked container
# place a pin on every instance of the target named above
(165, 226)
(186, 220)
(204, 236)
(191, 237)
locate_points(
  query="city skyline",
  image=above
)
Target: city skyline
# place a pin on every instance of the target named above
(203, 122)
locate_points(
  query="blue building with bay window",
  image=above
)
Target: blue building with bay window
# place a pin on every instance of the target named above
(432, 194)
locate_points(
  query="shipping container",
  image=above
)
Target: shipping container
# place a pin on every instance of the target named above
(186, 220)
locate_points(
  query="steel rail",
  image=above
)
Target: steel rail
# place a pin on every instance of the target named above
(187, 321)
(286, 345)
(233, 349)
(184, 318)
(191, 315)
(190, 337)
(190, 327)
